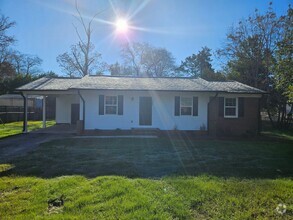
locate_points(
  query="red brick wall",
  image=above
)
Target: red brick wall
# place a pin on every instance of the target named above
(246, 125)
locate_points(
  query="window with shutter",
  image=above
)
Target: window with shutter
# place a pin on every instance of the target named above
(231, 108)
(186, 106)
(111, 105)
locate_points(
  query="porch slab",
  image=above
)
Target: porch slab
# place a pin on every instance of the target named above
(57, 129)
(119, 136)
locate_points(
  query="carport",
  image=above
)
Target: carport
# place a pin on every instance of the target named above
(68, 108)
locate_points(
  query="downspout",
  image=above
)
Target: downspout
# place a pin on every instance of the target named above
(24, 127)
(212, 99)
(83, 110)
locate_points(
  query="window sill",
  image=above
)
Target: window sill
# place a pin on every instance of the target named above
(231, 117)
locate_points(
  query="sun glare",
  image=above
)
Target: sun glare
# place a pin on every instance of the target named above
(121, 25)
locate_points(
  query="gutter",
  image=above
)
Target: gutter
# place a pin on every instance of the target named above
(213, 98)
(83, 110)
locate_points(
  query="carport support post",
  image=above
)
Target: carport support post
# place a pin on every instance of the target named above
(44, 111)
(24, 129)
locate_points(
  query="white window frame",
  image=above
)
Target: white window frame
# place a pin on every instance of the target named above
(191, 112)
(236, 108)
(110, 105)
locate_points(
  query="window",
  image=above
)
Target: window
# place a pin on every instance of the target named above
(230, 108)
(111, 105)
(186, 106)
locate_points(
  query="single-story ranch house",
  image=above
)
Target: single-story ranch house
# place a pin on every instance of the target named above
(193, 104)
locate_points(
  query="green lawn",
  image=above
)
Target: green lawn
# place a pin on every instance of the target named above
(150, 179)
(286, 134)
(14, 128)
(134, 157)
(269, 131)
(113, 197)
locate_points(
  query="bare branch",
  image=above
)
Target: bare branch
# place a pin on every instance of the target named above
(82, 59)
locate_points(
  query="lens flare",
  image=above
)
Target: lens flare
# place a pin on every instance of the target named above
(122, 25)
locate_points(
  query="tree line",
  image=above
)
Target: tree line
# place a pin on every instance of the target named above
(257, 51)
(16, 68)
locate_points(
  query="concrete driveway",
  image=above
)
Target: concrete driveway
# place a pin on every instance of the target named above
(21, 144)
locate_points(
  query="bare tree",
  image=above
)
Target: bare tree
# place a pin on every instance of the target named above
(118, 69)
(25, 64)
(6, 69)
(31, 64)
(132, 55)
(5, 40)
(82, 59)
(146, 60)
(158, 62)
(17, 61)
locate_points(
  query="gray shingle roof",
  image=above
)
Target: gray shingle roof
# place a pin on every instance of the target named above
(45, 84)
(135, 83)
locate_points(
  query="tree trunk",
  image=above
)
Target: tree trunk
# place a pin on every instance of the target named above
(279, 114)
(270, 117)
(283, 124)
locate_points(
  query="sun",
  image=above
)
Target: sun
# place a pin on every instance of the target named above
(122, 25)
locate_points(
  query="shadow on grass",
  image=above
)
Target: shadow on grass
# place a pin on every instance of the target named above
(155, 158)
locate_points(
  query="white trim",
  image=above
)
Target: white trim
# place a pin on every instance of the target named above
(111, 105)
(191, 113)
(236, 107)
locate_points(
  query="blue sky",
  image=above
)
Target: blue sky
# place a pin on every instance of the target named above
(45, 27)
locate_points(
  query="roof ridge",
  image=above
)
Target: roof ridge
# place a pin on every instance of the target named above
(145, 77)
(61, 77)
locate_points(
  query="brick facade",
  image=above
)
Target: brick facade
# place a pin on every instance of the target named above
(248, 124)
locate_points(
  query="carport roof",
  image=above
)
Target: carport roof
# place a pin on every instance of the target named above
(137, 84)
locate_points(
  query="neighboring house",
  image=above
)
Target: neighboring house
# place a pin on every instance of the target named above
(11, 107)
(108, 103)
(16, 100)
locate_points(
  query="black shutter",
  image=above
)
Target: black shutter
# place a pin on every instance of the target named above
(221, 106)
(177, 105)
(195, 106)
(120, 104)
(101, 104)
(240, 107)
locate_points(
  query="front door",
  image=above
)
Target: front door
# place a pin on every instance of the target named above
(74, 113)
(145, 110)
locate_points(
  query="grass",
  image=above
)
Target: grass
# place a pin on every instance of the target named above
(150, 179)
(113, 197)
(269, 131)
(283, 134)
(13, 128)
(134, 157)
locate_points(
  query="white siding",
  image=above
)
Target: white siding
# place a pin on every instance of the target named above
(63, 107)
(162, 111)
